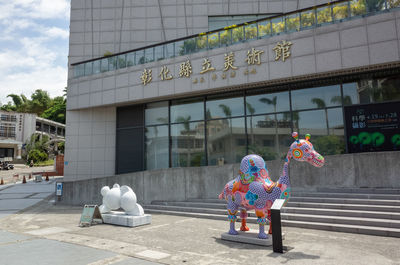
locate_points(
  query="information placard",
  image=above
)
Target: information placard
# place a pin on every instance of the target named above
(90, 214)
(373, 127)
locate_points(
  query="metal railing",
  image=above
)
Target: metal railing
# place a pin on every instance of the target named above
(316, 16)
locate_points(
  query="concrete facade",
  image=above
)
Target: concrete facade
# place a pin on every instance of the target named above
(98, 27)
(180, 184)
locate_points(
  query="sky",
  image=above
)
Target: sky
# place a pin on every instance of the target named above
(33, 46)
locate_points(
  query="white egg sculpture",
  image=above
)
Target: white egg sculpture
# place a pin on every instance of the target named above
(120, 197)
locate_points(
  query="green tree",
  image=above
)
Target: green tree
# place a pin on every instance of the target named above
(56, 111)
(40, 101)
(37, 148)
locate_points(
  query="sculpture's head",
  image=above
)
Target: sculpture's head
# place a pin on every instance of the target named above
(303, 150)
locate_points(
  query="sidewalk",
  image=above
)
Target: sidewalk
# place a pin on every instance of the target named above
(180, 240)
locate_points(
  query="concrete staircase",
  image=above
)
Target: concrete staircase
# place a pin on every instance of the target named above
(362, 211)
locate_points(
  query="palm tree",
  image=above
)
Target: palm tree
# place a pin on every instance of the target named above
(338, 99)
(228, 113)
(321, 105)
(251, 111)
(273, 102)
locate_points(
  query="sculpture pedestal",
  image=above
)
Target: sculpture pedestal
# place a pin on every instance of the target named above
(120, 218)
(248, 237)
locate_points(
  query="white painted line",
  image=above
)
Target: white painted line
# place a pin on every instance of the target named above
(153, 227)
(108, 261)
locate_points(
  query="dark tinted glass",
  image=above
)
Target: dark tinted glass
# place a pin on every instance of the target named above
(350, 94)
(129, 150)
(267, 103)
(131, 116)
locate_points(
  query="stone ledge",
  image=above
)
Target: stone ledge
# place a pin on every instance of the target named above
(248, 238)
(120, 218)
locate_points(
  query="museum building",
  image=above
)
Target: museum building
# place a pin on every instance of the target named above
(157, 86)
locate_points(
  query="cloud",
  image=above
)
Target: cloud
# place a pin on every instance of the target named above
(33, 46)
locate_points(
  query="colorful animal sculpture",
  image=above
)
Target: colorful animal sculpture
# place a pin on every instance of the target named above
(253, 189)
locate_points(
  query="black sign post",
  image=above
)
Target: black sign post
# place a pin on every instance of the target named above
(276, 225)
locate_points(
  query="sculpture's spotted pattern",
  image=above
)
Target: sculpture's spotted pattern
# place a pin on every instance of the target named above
(253, 188)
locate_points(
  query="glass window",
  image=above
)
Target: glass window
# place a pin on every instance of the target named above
(213, 40)
(225, 37)
(335, 121)
(96, 66)
(278, 25)
(292, 22)
(350, 94)
(375, 5)
(187, 110)
(189, 46)
(313, 122)
(237, 34)
(112, 63)
(219, 22)
(267, 103)
(224, 108)
(156, 113)
(104, 65)
(159, 52)
(340, 11)
(140, 59)
(264, 28)
(187, 144)
(224, 138)
(157, 150)
(307, 18)
(358, 7)
(201, 43)
(324, 15)
(379, 89)
(149, 55)
(121, 63)
(316, 97)
(169, 50)
(269, 135)
(179, 48)
(251, 31)
(88, 68)
(130, 59)
(79, 70)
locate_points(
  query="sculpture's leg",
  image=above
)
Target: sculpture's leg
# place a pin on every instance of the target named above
(270, 225)
(243, 216)
(261, 221)
(232, 219)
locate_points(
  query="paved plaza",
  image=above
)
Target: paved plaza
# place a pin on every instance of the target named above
(35, 231)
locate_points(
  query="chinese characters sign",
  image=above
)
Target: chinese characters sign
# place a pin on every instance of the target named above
(253, 58)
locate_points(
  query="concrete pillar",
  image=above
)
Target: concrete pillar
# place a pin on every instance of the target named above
(19, 151)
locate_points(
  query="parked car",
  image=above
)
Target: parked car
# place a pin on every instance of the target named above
(6, 166)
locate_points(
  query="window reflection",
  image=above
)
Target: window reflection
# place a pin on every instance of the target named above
(269, 135)
(350, 94)
(157, 150)
(223, 108)
(187, 143)
(226, 141)
(190, 110)
(316, 97)
(267, 103)
(156, 113)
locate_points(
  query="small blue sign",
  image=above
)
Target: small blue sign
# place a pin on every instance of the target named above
(59, 187)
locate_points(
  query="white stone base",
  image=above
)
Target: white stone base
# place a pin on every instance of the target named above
(248, 237)
(120, 218)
